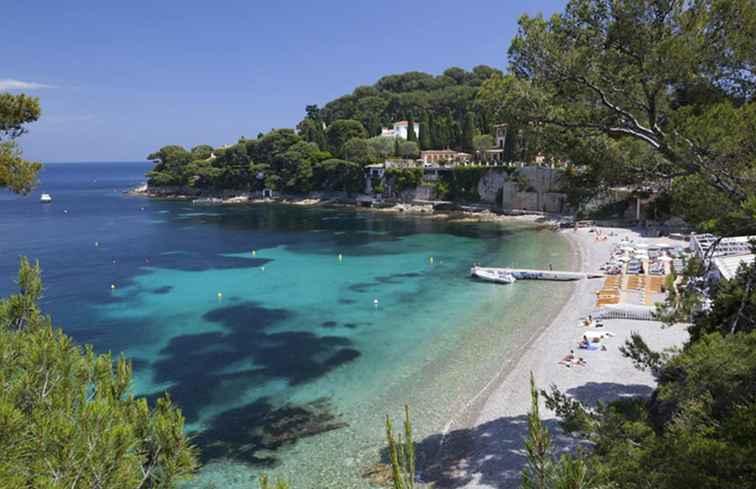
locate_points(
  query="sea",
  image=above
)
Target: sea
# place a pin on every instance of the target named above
(285, 333)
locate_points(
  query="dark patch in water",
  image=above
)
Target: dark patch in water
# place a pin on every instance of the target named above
(220, 367)
(163, 290)
(361, 286)
(347, 301)
(251, 434)
(329, 324)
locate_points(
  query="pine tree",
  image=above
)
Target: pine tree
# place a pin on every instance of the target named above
(67, 416)
(401, 454)
(411, 136)
(425, 132)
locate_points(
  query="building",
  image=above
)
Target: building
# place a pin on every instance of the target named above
(500, 134)
(726, 267)
(443, 156)
(400, 130)
(737, 245)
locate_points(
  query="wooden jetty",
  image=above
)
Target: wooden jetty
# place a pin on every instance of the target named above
(530, 274)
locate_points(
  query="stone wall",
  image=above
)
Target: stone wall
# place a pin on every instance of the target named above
(538, 196)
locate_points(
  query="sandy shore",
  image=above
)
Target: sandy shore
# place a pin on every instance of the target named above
(485, 450)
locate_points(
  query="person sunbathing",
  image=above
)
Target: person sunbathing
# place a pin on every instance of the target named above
(568, 358)
(581, 362)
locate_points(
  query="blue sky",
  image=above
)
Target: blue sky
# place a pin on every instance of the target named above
(118, 80)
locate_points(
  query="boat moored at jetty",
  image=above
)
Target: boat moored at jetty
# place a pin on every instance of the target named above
(527, 274)
(492, 275)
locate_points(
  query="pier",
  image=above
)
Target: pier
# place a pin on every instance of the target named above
(531, 274)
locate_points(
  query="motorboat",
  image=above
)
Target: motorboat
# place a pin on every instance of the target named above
(489, 275)
(45, 198)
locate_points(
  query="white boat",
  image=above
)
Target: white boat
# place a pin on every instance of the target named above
(45, 198)
(490, 275)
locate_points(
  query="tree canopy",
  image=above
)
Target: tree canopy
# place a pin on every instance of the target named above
(16, 112)
(67, 418)
(675, 76)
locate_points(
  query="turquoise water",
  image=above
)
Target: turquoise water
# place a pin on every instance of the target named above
(283, 356)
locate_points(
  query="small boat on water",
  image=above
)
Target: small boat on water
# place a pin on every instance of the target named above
(491, 275)
(45, 198)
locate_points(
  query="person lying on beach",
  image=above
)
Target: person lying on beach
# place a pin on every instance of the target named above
(581, 362)
(568, 358)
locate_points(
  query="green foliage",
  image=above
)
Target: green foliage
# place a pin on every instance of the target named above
(543, 470)
(16, 111)
(469, 133)
(404, 178)
(341, 131)
(401, 454)
(411, 135)
(170, 166)
(67, 418)
(443, 99)
(340, 175)
(734, 308)
(383, 146)
(483, 142)
(361, 151)
(462, 182)
(408, 150)
(17, 174)
(265, 483)
(425, 140)
(640, 76)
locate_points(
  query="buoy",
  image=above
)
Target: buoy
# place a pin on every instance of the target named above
(112, 286)
(65, 211)
(97, 243)
(220, 295)
(340, 257)
(262, 268)
(114, 262)
(430, 259)
(375, 302)
(254, 252)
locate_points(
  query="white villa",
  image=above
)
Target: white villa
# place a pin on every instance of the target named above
(400, 130)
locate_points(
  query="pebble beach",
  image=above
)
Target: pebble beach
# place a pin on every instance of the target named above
(484, 448)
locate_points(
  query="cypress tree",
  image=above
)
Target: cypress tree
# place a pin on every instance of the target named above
(425, 132)
(396, 146)
(468, 133)
(411, 136)
(433, 131)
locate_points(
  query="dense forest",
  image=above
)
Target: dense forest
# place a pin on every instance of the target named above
(332, 144)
